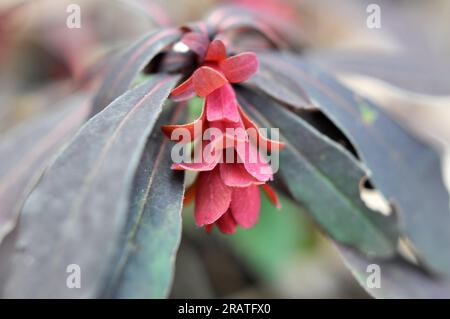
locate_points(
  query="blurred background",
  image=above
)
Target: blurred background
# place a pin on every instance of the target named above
(403, 66)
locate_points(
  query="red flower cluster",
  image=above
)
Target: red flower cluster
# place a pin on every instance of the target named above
(226, 193)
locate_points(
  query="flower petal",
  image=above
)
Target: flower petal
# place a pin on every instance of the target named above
(253, 162)
(212, 199)
(235, 175)
(196, 167)
(206, 80)
(194, 128)
(221, 105)
(225, 139)
(227, 224)
(223, 142)
(209, 228)
(271, 195)
(240, 67)
(189, 194)
(184, 91)
(261, 140)
(196, 42)
(201, 159)
(216, 51)
(245, 205)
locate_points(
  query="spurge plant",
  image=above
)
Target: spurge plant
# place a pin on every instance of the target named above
(94, 182)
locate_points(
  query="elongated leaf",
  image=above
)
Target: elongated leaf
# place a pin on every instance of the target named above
(278, 22)
(398, 278)
(406, 71)
(200, 27)
(128, 64)
(26, 150)
(145, 266)
(407, 171)
(227, 18)
(324, 177)
(77, 212)
(280, 87)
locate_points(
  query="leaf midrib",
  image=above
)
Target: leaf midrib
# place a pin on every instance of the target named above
(100, 159)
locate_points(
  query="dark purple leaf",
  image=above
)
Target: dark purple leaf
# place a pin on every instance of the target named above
(228, 18)
(279, 86)
(398, 278)
(404, 71)
(130, 62)
(324, 177)
(78, 211)
(26, 150)
(145, 266)
(403, 168)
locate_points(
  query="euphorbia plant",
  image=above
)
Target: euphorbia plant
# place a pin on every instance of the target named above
(111, 188)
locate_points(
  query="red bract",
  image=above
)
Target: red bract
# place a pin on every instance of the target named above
(216, 70)
(225, 206)
(226, 192)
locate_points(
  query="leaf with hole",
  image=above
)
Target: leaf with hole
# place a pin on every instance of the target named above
(406, 170)
(324, 177)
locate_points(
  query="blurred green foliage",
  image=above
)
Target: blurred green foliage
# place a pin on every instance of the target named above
(279, 236)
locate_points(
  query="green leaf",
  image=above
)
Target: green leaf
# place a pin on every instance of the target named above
(26, 150)
(324, 178)
(403, 168)
(146, 264)
(78, 211)
(130, 62)
(289, 231)
(398, 278)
